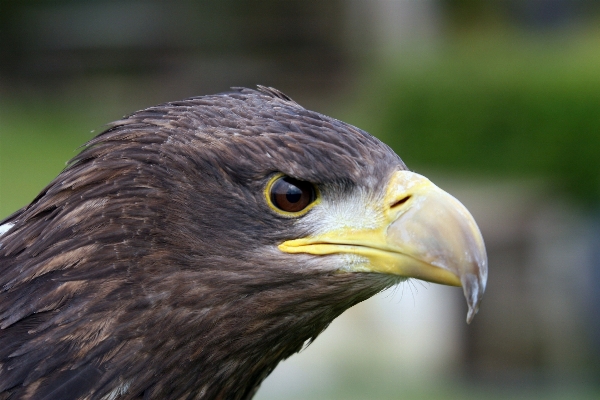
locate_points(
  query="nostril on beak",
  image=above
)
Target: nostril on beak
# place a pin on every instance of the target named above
(400, 202)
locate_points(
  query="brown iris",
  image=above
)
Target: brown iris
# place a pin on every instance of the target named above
(291, 195)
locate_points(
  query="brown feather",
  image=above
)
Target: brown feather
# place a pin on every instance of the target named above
(147, 267)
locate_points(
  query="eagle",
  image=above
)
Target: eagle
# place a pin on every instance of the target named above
(192, 246)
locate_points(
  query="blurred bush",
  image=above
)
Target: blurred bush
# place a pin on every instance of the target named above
(508, 107)
(36, 141)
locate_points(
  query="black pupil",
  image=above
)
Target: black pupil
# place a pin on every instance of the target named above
(293, 194)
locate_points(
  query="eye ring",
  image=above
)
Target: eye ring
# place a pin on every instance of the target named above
(290, 197)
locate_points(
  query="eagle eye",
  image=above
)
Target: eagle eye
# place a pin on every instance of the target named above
(290, 195)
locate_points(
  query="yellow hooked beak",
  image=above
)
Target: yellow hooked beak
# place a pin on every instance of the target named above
(423, 233)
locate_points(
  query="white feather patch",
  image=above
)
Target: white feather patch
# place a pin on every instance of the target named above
(6, 227)
(357, 211)
(118, 391)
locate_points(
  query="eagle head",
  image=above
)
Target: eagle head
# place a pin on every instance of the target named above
(192, 246)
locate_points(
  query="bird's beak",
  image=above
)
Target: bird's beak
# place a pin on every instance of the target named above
(423, 233)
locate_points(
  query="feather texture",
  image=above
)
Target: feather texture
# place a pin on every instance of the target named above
(148, 268)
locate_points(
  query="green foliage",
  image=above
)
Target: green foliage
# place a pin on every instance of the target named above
(522, 109)
(36, 141)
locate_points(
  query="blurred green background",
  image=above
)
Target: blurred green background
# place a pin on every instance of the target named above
(498, 100)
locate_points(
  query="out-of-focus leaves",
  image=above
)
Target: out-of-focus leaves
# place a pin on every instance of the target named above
(524, 109)
(36, 141)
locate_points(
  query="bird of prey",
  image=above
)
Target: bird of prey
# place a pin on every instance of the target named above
(192, 246)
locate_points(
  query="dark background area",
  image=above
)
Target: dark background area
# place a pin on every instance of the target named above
(498, 100)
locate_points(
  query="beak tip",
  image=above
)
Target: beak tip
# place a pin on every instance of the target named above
(473, 287)
(471, 314)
